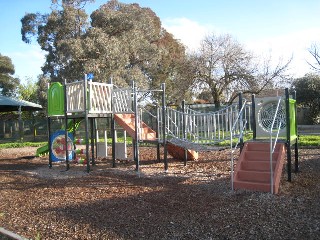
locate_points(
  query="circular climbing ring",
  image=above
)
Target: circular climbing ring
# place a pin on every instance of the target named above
(266, 116)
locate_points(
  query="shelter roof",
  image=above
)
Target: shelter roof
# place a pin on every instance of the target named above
(8, 104)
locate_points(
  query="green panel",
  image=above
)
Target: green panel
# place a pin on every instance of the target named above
(55, 99)
(293, 119)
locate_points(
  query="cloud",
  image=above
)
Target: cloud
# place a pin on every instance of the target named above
(189, 32)
(295, 44)
(284, 46)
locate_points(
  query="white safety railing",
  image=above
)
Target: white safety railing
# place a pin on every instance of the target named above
(100, 97)
(122, 100)
(273, 144)
(75, 97)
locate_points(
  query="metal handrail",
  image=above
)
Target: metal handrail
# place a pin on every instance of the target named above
(272, 146)
(232, 128)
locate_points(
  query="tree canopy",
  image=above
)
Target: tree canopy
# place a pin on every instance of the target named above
(8, 83)
(308, 95)
(124, 42)
(225, 67)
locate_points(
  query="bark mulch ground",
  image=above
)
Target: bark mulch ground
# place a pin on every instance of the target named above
(187, 202)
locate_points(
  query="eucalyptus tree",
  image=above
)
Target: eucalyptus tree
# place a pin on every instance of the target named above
(225, 67)
(124, 42)
(67, 21)
(8, 83)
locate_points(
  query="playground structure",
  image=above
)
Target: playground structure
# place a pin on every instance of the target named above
(182, 131)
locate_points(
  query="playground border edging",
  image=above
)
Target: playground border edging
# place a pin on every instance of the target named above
(10, 235)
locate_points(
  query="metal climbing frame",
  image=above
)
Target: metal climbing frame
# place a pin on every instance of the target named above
(138, 102)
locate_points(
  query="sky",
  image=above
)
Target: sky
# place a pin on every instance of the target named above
(278, 28)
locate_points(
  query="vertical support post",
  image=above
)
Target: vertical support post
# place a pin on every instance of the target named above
(253, 117)
(20, 125)
(164, 126)
(113, 136)
(158, 135)
(184, 130)
(232, 161)
(49, 141)
(93, 128)
(136, 140)
(86, 121)
(66, 124)
(34, 130)
(296, 149)
(240, 121)
(96, 137)
(288, 143)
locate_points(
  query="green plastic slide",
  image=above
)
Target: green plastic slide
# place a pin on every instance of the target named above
(44, 150)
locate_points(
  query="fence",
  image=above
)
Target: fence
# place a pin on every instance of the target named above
(31, 130)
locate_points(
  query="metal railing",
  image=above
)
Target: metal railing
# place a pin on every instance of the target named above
(237, 129)
(203, 128)
(273, 144)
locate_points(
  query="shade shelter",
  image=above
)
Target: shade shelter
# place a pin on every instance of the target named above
(8, 104)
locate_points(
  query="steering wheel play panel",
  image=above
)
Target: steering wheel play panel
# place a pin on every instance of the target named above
(58, 146)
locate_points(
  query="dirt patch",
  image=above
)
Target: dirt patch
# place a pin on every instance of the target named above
(187, 202)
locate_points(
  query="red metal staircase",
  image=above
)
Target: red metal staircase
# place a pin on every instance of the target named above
(127, 122)
(253, 168)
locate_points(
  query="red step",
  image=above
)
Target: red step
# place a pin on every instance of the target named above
(127, 122)
(257, 165)
(260, 155)
(253, 168)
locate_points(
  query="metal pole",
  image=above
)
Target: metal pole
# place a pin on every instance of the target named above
(66, 124)
(113, 136)
(253, 116)
(241, 122)
(184, 131)
(296, 149)
(86, 121)
(158, 135)
(288, 135)
(164, 126)
(93, 127)
(49, 141)
(136, 143)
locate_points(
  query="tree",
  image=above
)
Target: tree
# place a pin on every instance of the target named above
(8, 83)
(67, 21)
(28, 91)
(308, 95)
(122, 41)
(225, 68)
(41, 91)
(314, 51)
